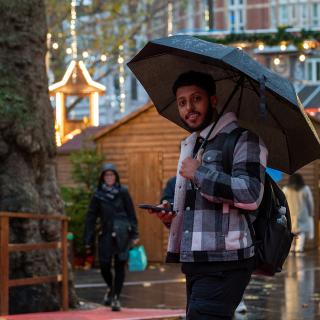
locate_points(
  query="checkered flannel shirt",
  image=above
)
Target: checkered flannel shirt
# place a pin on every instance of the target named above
(212, 225)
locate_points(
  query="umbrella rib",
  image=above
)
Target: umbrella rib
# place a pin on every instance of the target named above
(226, 78)
(239, 83)
(239, 101)
(276, 120)
(167, 105)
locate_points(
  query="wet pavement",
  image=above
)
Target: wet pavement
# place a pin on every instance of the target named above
(294, 294)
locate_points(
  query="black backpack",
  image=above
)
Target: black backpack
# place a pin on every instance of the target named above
(271, 229)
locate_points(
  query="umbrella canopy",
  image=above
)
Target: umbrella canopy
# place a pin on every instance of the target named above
(242, 86)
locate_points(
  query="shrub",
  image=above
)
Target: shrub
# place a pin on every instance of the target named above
(86, 166)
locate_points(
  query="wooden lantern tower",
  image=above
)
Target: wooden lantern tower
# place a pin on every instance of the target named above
(76, 82)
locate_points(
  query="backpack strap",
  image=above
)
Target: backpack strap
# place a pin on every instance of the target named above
(227, 160)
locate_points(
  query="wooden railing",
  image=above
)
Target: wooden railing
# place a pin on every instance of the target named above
(6, 248)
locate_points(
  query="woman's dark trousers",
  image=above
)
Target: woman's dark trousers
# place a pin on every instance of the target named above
(115, 283)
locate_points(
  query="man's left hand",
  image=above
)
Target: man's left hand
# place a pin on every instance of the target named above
(189, 167)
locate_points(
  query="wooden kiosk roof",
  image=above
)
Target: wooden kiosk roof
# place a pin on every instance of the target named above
(77, 81)
(124, 120)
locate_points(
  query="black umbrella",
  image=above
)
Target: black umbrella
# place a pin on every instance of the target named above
(264, 102)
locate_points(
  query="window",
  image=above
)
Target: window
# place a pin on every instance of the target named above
(318, 71)
(236, 15)
(134, 88)
(290, 12)
(303, 12)
(313, 70)
(77, 110)
(273, 16)
(315, 14)
(309, 71)
(209, 14)
(283, 14)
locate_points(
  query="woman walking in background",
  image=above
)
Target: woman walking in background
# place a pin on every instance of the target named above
(300, 201)
(112, 203)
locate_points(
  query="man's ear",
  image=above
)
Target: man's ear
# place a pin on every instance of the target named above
(214, 100)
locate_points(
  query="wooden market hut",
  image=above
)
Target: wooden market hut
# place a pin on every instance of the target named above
(81, 141)
(145, 148)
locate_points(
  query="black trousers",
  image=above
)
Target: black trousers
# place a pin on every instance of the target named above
(215, 295)
(115, 283)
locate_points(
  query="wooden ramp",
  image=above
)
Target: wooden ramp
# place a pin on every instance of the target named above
(101, 314)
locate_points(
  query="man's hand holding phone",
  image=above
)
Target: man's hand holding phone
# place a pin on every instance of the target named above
(166, 215)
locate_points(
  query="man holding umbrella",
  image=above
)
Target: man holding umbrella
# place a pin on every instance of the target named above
(209, 233)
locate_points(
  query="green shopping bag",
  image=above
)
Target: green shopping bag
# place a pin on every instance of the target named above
(137, 259)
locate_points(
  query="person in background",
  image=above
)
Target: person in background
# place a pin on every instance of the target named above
(168, 191)
(112, 203)
(301, 205)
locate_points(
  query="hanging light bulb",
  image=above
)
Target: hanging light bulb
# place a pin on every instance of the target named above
(69, 51)
(103, 58)
(302, 57)
(276, 61)
(283, 47)
(306, 45)
(85, 54)
(55, 45)
(261, 46)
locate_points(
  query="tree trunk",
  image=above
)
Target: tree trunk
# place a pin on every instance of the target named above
(27, 149)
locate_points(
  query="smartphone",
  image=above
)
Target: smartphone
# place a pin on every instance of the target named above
(154, 208)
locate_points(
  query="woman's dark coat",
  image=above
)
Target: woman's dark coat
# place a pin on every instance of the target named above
(117, 217)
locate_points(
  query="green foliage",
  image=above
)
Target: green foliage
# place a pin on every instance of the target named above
(76, 205)
(270, 39)
(86, 165)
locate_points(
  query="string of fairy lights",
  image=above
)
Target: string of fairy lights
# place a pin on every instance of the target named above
(279, 42)
(284, 48)
(73, 30)
(121, 80)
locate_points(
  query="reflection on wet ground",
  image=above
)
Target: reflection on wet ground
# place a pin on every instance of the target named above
(294, 294)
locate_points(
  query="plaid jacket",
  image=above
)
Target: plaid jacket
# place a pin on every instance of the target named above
(211, 226)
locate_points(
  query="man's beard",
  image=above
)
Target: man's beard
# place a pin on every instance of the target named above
(211, 116)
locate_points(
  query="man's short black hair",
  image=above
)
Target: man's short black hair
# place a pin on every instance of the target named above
(194, 78)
